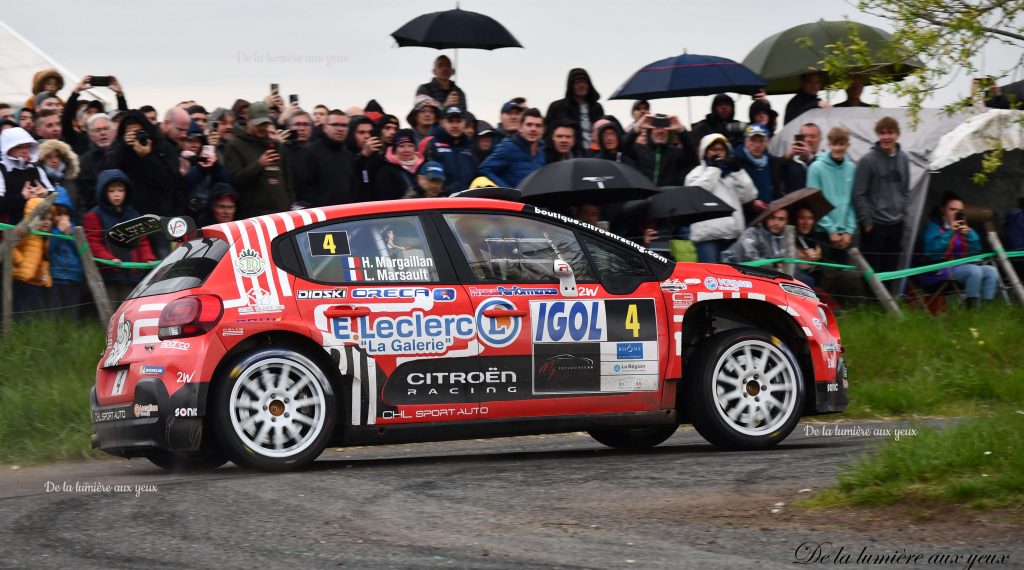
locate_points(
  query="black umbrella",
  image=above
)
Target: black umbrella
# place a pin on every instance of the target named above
(579, 180)
(455, 29)
(686, 205)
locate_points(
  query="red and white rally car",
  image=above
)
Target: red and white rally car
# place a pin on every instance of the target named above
(265, 340)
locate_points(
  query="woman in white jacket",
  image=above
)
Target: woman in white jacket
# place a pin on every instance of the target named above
(721, 174)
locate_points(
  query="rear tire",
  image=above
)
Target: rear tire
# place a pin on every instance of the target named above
(177, 463)
(633, 438)
(743, 390)
(274, 410)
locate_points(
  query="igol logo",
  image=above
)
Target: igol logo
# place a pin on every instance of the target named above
(499, 331)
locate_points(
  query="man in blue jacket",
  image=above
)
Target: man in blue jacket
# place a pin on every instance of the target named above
(453, 150)
(518, 156)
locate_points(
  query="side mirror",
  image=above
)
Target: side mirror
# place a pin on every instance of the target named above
(566, 278)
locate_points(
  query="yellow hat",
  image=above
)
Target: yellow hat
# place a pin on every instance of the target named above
(482, 182)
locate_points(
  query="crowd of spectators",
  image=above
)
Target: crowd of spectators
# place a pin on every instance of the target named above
(268, 155)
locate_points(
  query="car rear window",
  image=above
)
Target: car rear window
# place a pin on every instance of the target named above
(186, 267)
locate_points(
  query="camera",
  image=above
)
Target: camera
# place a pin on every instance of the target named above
(660, 121)
(960, 217)
(293, 98)
(735, 127)
(799, 137)
(100, 81)
(142, 137)
(214, 125)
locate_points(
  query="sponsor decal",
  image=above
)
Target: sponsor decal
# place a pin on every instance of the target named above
(156, 370)
(186, 412)
(177, 227)
(513, 291)
(584, 291)
(401, 293)
(109, 415)
(682, 300)
(630, 383)
(366, 268)
(710, 283)
(260, 301)
(249, 262)
(258, 320)
(232, 331)
(617, 239)
(568, 321)
(461, 412)
(185, 378)
(500, 331)
(817, 323)
(321, 294)
(630, 367)
(175, 345)
(830, 352)
(145, 410)
(454, 380)
(150, 347)
(673, 285)
(119, 380)
(121, 343)
(444, 295)
(629, 351)
(691, 281)
(563, 364)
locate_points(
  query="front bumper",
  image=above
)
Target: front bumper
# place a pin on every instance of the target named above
(833, 396)
(154, 420)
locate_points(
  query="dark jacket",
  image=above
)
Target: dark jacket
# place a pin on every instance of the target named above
(800, 104)
(712, 123)
(260, 191)
(792, 174)
(366, 167)
(619, 155)
(218, 190)
(881, 187)
(90, 165)
(104, 216)
(456, 156)
(766, 177)
(157, 182)
(433, 88)
(511, 162)
(569, 109)
(328, 175)
(665, 164)
(79, 140)
(1014, 229)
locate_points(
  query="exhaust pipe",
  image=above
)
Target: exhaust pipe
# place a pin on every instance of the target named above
(94, 440)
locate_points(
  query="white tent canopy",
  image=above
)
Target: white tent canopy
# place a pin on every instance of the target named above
(19, 62)
(979, 134)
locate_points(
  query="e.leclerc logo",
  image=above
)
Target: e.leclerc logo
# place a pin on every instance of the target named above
(500, 331)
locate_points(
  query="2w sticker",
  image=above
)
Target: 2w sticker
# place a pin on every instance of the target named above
(185, 378)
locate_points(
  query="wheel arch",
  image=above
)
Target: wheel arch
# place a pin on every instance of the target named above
(706, 318)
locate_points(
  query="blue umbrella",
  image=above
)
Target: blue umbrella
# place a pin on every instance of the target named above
(688, 75)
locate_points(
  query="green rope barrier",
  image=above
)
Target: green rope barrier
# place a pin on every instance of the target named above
(763, 262)
(911, 271)
(110, 262)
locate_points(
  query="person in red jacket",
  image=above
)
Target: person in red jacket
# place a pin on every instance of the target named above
(113, 196)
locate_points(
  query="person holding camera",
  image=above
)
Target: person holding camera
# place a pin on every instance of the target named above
(202, 170)
(659, 159)
(946, 237)
(72, 132)
(721, 174)
(720, 120)
(253, 161)
(799, 157)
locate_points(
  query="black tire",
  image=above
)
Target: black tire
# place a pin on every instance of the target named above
(258, 425)
(766, 396)
(197, 463)
(633, 437)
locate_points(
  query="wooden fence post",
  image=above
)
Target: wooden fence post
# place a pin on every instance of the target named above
(876, 285)
(93, 278)
(789, 237)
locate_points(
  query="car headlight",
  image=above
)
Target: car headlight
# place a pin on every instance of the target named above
(799, 290)
(823, 315)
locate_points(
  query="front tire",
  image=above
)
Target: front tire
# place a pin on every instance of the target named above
(275, 410)
(633, 438)
(744, 390)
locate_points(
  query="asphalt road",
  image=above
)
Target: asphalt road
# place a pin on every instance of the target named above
(560, 501)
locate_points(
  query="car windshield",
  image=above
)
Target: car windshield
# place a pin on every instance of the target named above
(186, 267)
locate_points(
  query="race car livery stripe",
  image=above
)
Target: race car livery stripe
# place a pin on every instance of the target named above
(271, 285)
(356, 398)
(319, 214)
(758, 296)
(242, 298)
(306, 220)
(271, 228)
(364, 388)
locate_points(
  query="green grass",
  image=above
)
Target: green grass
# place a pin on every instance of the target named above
(959, 363)
(979, 463)
(46, 371)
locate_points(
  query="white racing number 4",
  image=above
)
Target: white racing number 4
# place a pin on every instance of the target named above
(119, 381)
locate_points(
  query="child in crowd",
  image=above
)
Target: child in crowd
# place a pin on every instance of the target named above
(31, 267)
(113, 199)
(65, 265)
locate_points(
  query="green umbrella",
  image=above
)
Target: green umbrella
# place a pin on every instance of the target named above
(782, 58)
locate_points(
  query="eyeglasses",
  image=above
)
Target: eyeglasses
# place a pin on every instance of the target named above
(337, 125)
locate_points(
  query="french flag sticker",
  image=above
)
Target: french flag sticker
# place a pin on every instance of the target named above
(354, 267)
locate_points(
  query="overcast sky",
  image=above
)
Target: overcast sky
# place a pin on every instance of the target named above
(340, 53)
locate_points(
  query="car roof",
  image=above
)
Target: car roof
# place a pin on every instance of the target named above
(299, 218)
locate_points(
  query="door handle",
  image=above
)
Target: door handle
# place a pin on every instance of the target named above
(345, 311)
(496, 313)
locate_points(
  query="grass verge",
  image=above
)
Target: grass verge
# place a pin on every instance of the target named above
(46, 371)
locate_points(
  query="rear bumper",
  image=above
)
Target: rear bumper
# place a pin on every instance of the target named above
(153, 421)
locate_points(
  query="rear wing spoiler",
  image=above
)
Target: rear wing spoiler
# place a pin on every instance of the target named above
(175, 228)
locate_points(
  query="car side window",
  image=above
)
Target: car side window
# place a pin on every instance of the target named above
(516, 249)
(610, 259)
(379, 250)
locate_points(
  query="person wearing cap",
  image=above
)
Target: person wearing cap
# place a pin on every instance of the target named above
(255, 167)
(197, 113)
(509, 124)
(519, 156)
(761, 112)
(721, 120)
(203, 170)
(441, 88)
(329, 169)
(398, 176)
(423, 116)
(762, 167)
(452, 149)
(429, 182)
(580, 106)
(483, 142)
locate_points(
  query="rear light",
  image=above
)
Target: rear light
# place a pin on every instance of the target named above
(190, 316)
